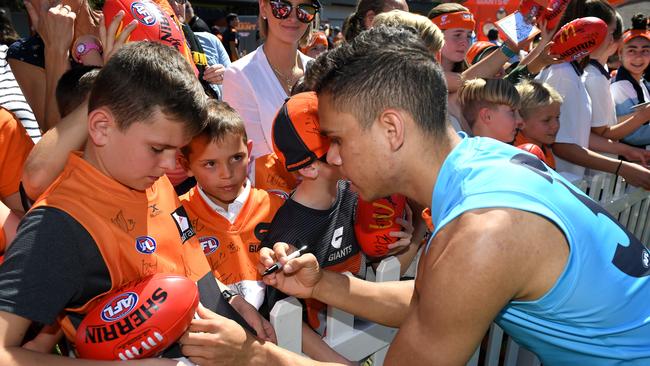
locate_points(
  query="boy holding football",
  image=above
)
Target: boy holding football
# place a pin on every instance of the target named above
(111, 217)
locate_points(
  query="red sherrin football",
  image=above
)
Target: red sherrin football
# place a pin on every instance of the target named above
(139, 320)
(578, 38)
(154, 24)
(375, 220)
(533, 149)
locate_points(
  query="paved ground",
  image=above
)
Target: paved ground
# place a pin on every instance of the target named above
(627, 11)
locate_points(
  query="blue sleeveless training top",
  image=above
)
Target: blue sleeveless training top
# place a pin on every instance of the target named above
(598, 312)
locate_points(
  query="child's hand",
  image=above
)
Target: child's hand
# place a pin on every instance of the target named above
(262, 326)
(405, 235)
(111, 43)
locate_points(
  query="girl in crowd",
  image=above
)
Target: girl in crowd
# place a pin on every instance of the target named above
(629, 87)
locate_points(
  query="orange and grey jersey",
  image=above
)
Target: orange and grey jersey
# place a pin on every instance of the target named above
(137, 233)
(268, 173)
(232, 248)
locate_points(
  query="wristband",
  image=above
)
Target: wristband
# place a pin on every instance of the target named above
(83, 48)
(618, 168)
(507, 51)
(227, 295)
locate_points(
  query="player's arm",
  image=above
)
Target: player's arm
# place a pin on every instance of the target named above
(474, 267)
(302, 277)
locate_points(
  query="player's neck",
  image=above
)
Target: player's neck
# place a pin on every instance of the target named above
(318, 194)
(419, 174)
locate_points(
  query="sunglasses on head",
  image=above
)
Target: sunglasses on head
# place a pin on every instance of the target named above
(304, 12)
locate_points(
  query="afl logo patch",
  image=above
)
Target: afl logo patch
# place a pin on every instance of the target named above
(209, 244)
(119, 307)
(144, 13)
(145, 244)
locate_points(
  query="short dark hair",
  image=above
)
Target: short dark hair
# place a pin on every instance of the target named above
(143, 76)
(222, 120)
(384, 67)
(74, 86)
(493, 34)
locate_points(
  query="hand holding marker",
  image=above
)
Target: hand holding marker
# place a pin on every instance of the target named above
(277, 265)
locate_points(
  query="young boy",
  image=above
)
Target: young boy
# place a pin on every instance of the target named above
(111, 217)
(540, 114)
(320, 212)
(230, 216)
(490, 108)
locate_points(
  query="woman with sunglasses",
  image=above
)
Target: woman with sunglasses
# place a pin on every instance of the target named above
(257, 84)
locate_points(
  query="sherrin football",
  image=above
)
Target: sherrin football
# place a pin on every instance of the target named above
(154, 24)
(375, 221)
(578, 38)
(533, 149)
(139, 320)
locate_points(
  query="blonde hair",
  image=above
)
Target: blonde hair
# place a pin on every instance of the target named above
(476, 94)
(263, 27)
(429, 32)
(534, 95)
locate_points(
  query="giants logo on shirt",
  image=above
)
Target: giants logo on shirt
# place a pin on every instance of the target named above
(145, 244)
(119, 307)
(209, 244)
(183, 224)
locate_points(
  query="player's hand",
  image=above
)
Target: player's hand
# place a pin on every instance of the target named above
(406, 235)
(262, 326)
(298, 277)
(216, 340)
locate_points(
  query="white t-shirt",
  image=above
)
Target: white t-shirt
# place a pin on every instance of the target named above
(252, 89)
(603, 112)
(575, 113)
(625, 96)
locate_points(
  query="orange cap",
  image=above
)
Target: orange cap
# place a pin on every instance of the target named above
(478, 49)
(296, 132)
(458, 19)
(635, 33)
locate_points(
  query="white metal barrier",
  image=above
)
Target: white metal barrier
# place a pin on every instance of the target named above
(357, 339)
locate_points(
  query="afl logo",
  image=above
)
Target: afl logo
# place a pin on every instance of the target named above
(119, 307)
(145, 244)
(209, 244)
(143, 13)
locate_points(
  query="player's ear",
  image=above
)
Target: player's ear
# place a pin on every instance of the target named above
(392, 122)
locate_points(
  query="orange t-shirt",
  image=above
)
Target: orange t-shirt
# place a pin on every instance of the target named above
(520, 139)
(137, 233)
(15, 145)
(269, 174)
(233, 249)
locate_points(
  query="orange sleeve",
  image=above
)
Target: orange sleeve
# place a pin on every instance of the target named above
(15, 145)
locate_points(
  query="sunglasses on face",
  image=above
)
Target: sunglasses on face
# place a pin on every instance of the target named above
(304, 12)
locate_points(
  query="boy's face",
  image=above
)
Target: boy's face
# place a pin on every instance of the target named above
(505, 122)
(543, 124)
(220, 167)
(139, 155)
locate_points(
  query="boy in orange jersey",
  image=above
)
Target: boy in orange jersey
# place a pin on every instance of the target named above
(111, 217)
(230, 216)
